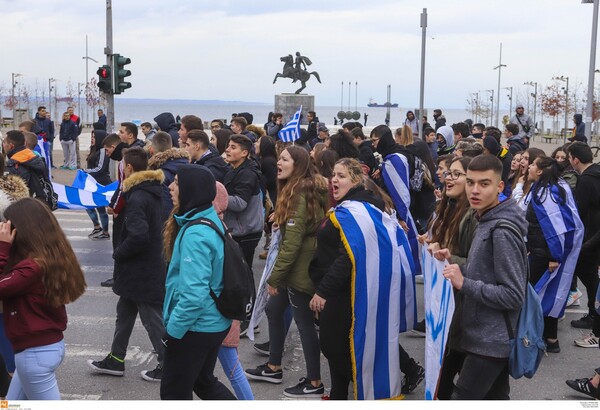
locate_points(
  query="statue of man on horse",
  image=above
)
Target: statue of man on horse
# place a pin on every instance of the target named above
(296, 69)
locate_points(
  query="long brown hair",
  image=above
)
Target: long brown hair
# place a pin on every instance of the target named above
(450, 213)
(170, 231)
(305, 179)
(40, 238)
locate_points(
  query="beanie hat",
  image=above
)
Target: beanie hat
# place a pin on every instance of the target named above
(197, 188)
(491, 145)
(221, 199)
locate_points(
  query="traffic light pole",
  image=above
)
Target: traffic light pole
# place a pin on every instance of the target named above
(110, 98)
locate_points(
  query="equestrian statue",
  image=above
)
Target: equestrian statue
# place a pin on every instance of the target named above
(296, 70)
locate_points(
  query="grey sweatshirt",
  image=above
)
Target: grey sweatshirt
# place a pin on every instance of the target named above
(495, 279)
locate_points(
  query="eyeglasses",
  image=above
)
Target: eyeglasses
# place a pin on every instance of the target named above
(453, 175)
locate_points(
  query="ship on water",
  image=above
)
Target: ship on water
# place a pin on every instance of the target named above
(373, 103)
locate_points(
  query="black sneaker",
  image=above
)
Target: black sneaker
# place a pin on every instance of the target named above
(584, 386)
(244, 328)
(410, 382)
(264, 373)
(108, 283)
(152, 375)
(552, 347)
(304, 389)
(96, 231)
(262, 348)
(586, 322)
(419, 329)
(109, 365)
(100, 235)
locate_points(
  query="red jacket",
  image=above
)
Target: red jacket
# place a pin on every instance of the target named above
(28, 319)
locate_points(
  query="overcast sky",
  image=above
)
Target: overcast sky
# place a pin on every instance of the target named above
(229, 50)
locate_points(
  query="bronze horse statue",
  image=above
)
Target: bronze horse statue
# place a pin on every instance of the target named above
(297, 74)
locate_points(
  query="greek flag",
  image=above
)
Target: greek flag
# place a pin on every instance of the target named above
(291, 131)
(563, 231)
(439, 309)
(383, 296)
(396, 173)
(262, 296)
(84, 193)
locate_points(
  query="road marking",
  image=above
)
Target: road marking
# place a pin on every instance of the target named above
(67, 396)
(97, 269)
(135, 355)
(91, 250)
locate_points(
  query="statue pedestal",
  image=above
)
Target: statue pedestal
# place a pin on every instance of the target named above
(288, 104)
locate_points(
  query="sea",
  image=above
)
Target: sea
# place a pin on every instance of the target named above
(142, 110)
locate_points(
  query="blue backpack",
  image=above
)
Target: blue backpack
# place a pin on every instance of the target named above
(527, 346)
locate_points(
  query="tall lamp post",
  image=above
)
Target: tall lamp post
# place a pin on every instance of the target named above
(492, 107)
(566, 80)
(14, 85)
(534, 95)
(50, 88)
(499, 68)
(422, 84)
(87, 78)
(589, 108)
(510, 96)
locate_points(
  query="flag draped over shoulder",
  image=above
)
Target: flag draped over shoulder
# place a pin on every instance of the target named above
(84, 193)
(291, 131)
(262, 296)
(563, 231)
(383, 294)
(396, 174)
(439, 309)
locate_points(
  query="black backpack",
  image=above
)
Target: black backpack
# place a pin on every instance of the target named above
(41, 187)
(237, 297)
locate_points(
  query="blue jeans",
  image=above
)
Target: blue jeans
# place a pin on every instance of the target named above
(103, 217)
(34, 378)
(228, 356)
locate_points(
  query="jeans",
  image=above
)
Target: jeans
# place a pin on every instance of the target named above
(189, 367)
(482, 378)
(69, 153)
(230, 361)
(93, 214)
(151, 316)
(304, 318)
(34, 378)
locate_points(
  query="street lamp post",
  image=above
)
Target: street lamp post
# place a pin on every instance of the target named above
(589, 109)
(566, 80)
(510, 96)
(422, 84)
(499, 67)
(534, 95)
(492, 106)
(87, 78)
(14, 84)
(50, 88)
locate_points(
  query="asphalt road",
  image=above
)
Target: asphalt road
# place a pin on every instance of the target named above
(91, 326)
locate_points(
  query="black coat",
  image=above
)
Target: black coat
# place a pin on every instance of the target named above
(169, 162)
(216, 164)
(139, 264)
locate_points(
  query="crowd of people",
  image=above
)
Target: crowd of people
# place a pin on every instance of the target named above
(325, 195)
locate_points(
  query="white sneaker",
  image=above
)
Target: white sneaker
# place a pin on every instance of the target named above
(573, 299)
(587, 341)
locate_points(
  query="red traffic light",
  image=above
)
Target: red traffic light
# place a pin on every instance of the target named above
(104, 73)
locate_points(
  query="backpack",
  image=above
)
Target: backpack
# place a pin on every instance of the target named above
(527, 346)
(42, 189)
(237, 296)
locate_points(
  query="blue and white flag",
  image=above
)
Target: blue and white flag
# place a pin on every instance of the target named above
(383, 295)
(439, 309)
(84, 193)
(291, 131)
(563, 231)
(44, 147)
(396, 174)
(262, 296)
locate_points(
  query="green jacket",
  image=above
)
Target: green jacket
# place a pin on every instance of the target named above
(298, 244)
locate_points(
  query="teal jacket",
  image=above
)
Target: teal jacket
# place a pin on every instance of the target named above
(196, 266)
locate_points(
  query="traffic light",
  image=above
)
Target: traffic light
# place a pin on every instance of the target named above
(119, 63)
(104, 79)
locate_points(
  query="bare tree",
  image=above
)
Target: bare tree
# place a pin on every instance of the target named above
(553, 103)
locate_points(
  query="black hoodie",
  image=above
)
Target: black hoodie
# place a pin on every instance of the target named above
(587, 196)
(166, 122)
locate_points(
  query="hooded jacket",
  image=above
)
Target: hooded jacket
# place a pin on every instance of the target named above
(215, 163)
(168, 161)
(139, 272)
(98, 163)
(495, 277)
(587, 196)
(46, 127)
(579, 129)
(12, 188)
(516, 144)
(503, 155)
(166, 122)
(244, 213)
(446, 147)
(24, 163)
(413, 124)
